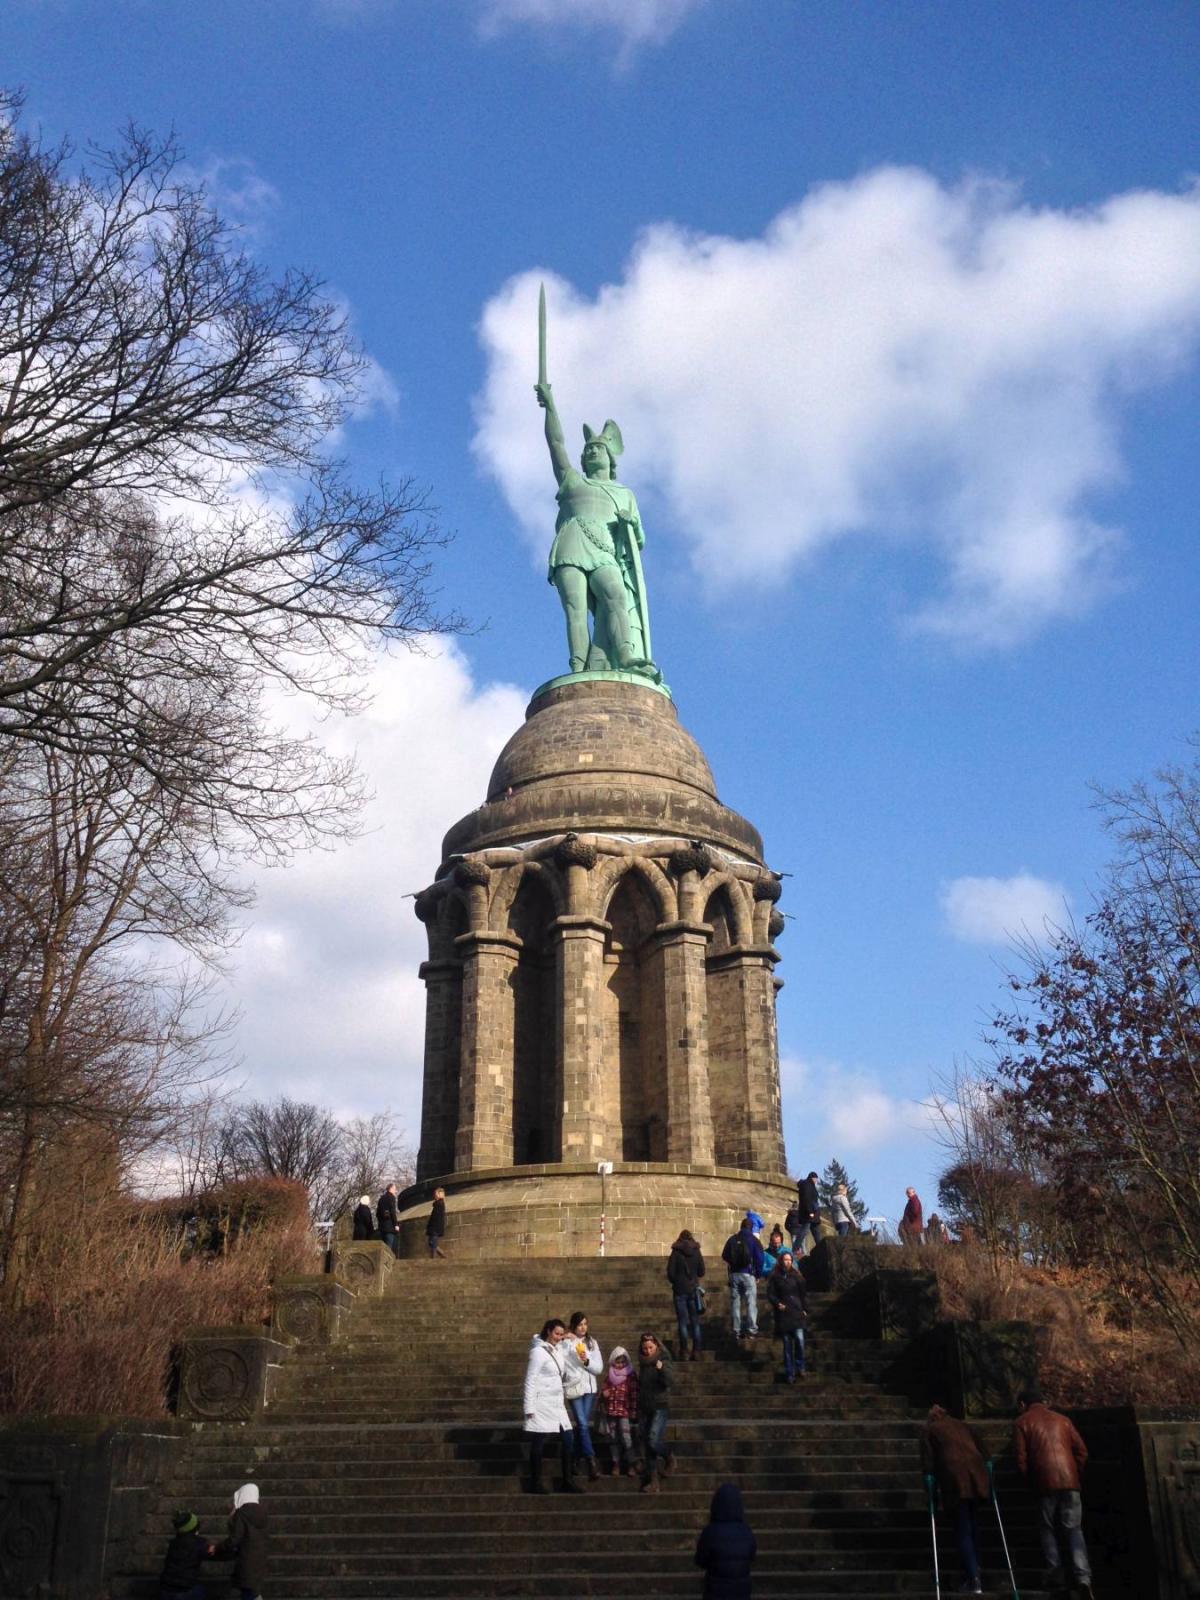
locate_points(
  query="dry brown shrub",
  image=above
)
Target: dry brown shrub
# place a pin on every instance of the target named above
(114, 1296)
(1097, 1347)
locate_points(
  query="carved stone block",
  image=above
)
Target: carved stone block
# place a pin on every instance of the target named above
(227, 1374)
(310, 1309)
(363, 1265)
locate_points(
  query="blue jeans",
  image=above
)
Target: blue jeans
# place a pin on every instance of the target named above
(843, 1228)
(688, 1320)
(743, 1303)
(793, 1352)
(652, 1426)
(1061, 1516)
(967, 1532)
(806, 1239)
(581, 1410)
(389, 1239)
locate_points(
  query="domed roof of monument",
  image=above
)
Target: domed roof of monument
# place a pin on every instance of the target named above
(601, 727)
(601, 755)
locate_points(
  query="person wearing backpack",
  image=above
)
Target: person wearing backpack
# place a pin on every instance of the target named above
(743, 1255)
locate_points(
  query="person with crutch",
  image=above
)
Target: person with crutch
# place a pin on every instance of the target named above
(954, 1463)
(1051, 1455)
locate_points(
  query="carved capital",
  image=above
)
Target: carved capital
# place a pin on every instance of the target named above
(471, 870)
(768, 887)
(425, 905)
(572, 851)
(776, 924)
(693, 857)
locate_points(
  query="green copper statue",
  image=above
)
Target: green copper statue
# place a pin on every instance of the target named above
(595, 560)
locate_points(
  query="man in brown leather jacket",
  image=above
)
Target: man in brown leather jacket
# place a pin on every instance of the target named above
(1051, 1455)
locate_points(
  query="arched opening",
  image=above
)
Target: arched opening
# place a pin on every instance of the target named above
(535, 1099)
(728, 1087)
(632, 1037)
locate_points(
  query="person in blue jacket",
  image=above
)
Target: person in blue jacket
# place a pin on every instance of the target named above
(726, 1547)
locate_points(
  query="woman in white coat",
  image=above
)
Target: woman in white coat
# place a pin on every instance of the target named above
(582, 1365)
(545, 1407)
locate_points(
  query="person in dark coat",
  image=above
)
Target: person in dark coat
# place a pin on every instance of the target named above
(808, 1203)
(685, 1268)
(654, 1382)
(248, 1544)
(954, 1461)
(181, 1575)
(364, 1218)
(786, 1292)
(743, 1255)
(912, 1223)
(389, 1219)
(435, 1228)
(726, 1547)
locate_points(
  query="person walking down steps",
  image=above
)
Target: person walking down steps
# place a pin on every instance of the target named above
(685, 1268)
(619, 1409)
(248, 1544)
(786, 1290)
(654, 1382)
(582, 1365)
(544, 1407)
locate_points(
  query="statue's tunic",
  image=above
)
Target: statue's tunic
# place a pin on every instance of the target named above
(585, 532)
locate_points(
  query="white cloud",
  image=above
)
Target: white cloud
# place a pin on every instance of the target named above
(326, 975)
(635, 22)
(846, 1110)
(893, 358)
(997, 910)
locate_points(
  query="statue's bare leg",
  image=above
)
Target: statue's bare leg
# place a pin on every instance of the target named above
(572, 586)
(609, 589)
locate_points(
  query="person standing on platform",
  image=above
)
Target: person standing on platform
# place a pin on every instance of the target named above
(435, 1228)
(582, 1365)
(841, 1212)
(808, 1203)
(389, 1219)
(364, 1218)
(912, 1223)
(685, 1268)
(544, 1408)
(953, 1461)
(743, 1255)
(1052, 1456)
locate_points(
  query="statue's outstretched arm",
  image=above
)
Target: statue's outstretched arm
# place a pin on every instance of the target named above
(559, 459)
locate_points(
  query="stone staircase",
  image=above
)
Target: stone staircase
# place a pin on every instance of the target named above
(390, 1462)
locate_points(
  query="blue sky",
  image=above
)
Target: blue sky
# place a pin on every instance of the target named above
(898, 307)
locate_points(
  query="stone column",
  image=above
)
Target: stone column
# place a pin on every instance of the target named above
(485, 1095)
(585, 1131)
(439, 1095)
(680, 948)
(747, 982)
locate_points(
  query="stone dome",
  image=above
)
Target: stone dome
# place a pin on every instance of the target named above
(602, 755)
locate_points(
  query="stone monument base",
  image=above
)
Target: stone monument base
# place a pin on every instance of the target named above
(556, 1210)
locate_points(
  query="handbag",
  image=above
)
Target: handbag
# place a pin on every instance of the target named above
(701, 1300)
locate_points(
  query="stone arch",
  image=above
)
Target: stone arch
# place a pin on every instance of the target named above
(607, 878)
(632, 1003)
(724, 888)
(536, 1134)
(508, 886)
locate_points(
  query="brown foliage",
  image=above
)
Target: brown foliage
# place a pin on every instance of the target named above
(113, 1294)
(1096, 1347)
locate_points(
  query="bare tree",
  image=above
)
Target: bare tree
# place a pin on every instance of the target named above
(163, 476)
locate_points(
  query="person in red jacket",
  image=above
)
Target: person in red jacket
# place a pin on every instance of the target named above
(912, 1223)
(1051, 1455)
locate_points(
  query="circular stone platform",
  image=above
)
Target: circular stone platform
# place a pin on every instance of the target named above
(555, 1210)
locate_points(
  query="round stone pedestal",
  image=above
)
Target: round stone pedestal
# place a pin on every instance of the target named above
(556, 1210)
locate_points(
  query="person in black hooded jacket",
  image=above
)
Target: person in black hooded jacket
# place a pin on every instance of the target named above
(248, 1543)
(726, 1547)
(685, 1268)
(181, 1574)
